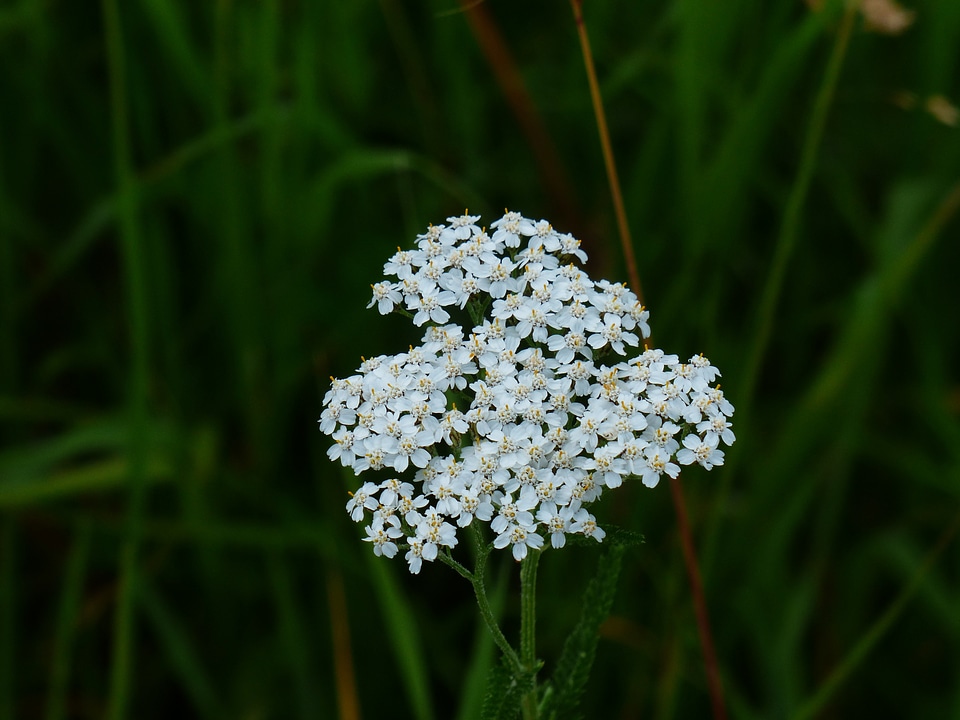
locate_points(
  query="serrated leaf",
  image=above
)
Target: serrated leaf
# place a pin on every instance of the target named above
(623, 538)
(615, 536)
(576, 660)
(505, 692)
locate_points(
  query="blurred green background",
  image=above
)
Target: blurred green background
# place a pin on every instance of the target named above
(194, 200)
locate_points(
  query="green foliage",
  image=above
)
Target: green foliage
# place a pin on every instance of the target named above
(616, 536)
(620, 537)
(572, 673)
(505, 690)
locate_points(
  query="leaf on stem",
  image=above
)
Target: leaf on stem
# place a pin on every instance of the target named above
(505, 690)
(573, 667)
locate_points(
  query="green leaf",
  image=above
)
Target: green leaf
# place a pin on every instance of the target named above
(576, 660)
(505, 692)
(615, 537)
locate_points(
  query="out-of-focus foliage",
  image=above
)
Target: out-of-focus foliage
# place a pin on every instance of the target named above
(194, 200)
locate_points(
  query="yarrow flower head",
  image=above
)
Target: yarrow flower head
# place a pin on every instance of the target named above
(523, 416)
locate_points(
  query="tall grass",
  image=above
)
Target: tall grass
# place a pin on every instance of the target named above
(194, 200)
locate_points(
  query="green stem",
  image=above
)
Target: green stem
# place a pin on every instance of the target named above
(447, 559)
(483, 550)
(68, 621)
(528, 629)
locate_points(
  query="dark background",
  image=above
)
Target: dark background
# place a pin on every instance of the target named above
(195, 198)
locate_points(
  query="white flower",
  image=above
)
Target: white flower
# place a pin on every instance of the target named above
(342, 449)
(585, 524)
(514, 513)
(718, 403)
(414, 555)
(510, 227)
(409, 451)
(609, 468)
(661, 434)
(636, 317)
(657, 464)
(435, 533)
(556, 521)
(462, 227)
(493, 278)
(472, 506)
(363, 499)
(447, 492)
(401, 265)
(385, 295)
(540, 430)
(569, 245)
(462, 286)
(521, 538)
(567, 346)
(382, 532)
(717, 427)
(409, 508)
(585, 434)
(429, 304)
(507, 307)
(378, 451)
(392, 491)
(703, 451)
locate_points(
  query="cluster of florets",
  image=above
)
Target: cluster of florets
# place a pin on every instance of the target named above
(525, 419)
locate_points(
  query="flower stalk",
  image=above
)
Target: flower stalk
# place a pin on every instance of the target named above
(486, 612)
(528, 630)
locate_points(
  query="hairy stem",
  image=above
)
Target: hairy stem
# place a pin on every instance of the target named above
(479, 589)
(528, 628)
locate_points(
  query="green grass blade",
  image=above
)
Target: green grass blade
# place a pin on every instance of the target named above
(8, 616)
(792, 217)
(122, 660)
(293, 636)
(89, 479)
(402, 628)
(182, 656)
(169, 27)
(74, 578)
(868, 641)
(103, 213)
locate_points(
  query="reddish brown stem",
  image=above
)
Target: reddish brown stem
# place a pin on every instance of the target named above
(612, 178)
(699, 601)
(347, 698)
(676, 489)
(552, 172)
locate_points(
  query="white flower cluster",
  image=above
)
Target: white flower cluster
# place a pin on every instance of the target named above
(524, 419)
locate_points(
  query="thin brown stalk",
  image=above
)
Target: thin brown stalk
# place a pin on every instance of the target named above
(626, 242)
(552, 172)
(676, 489)
(710, 663)
(347, 700)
